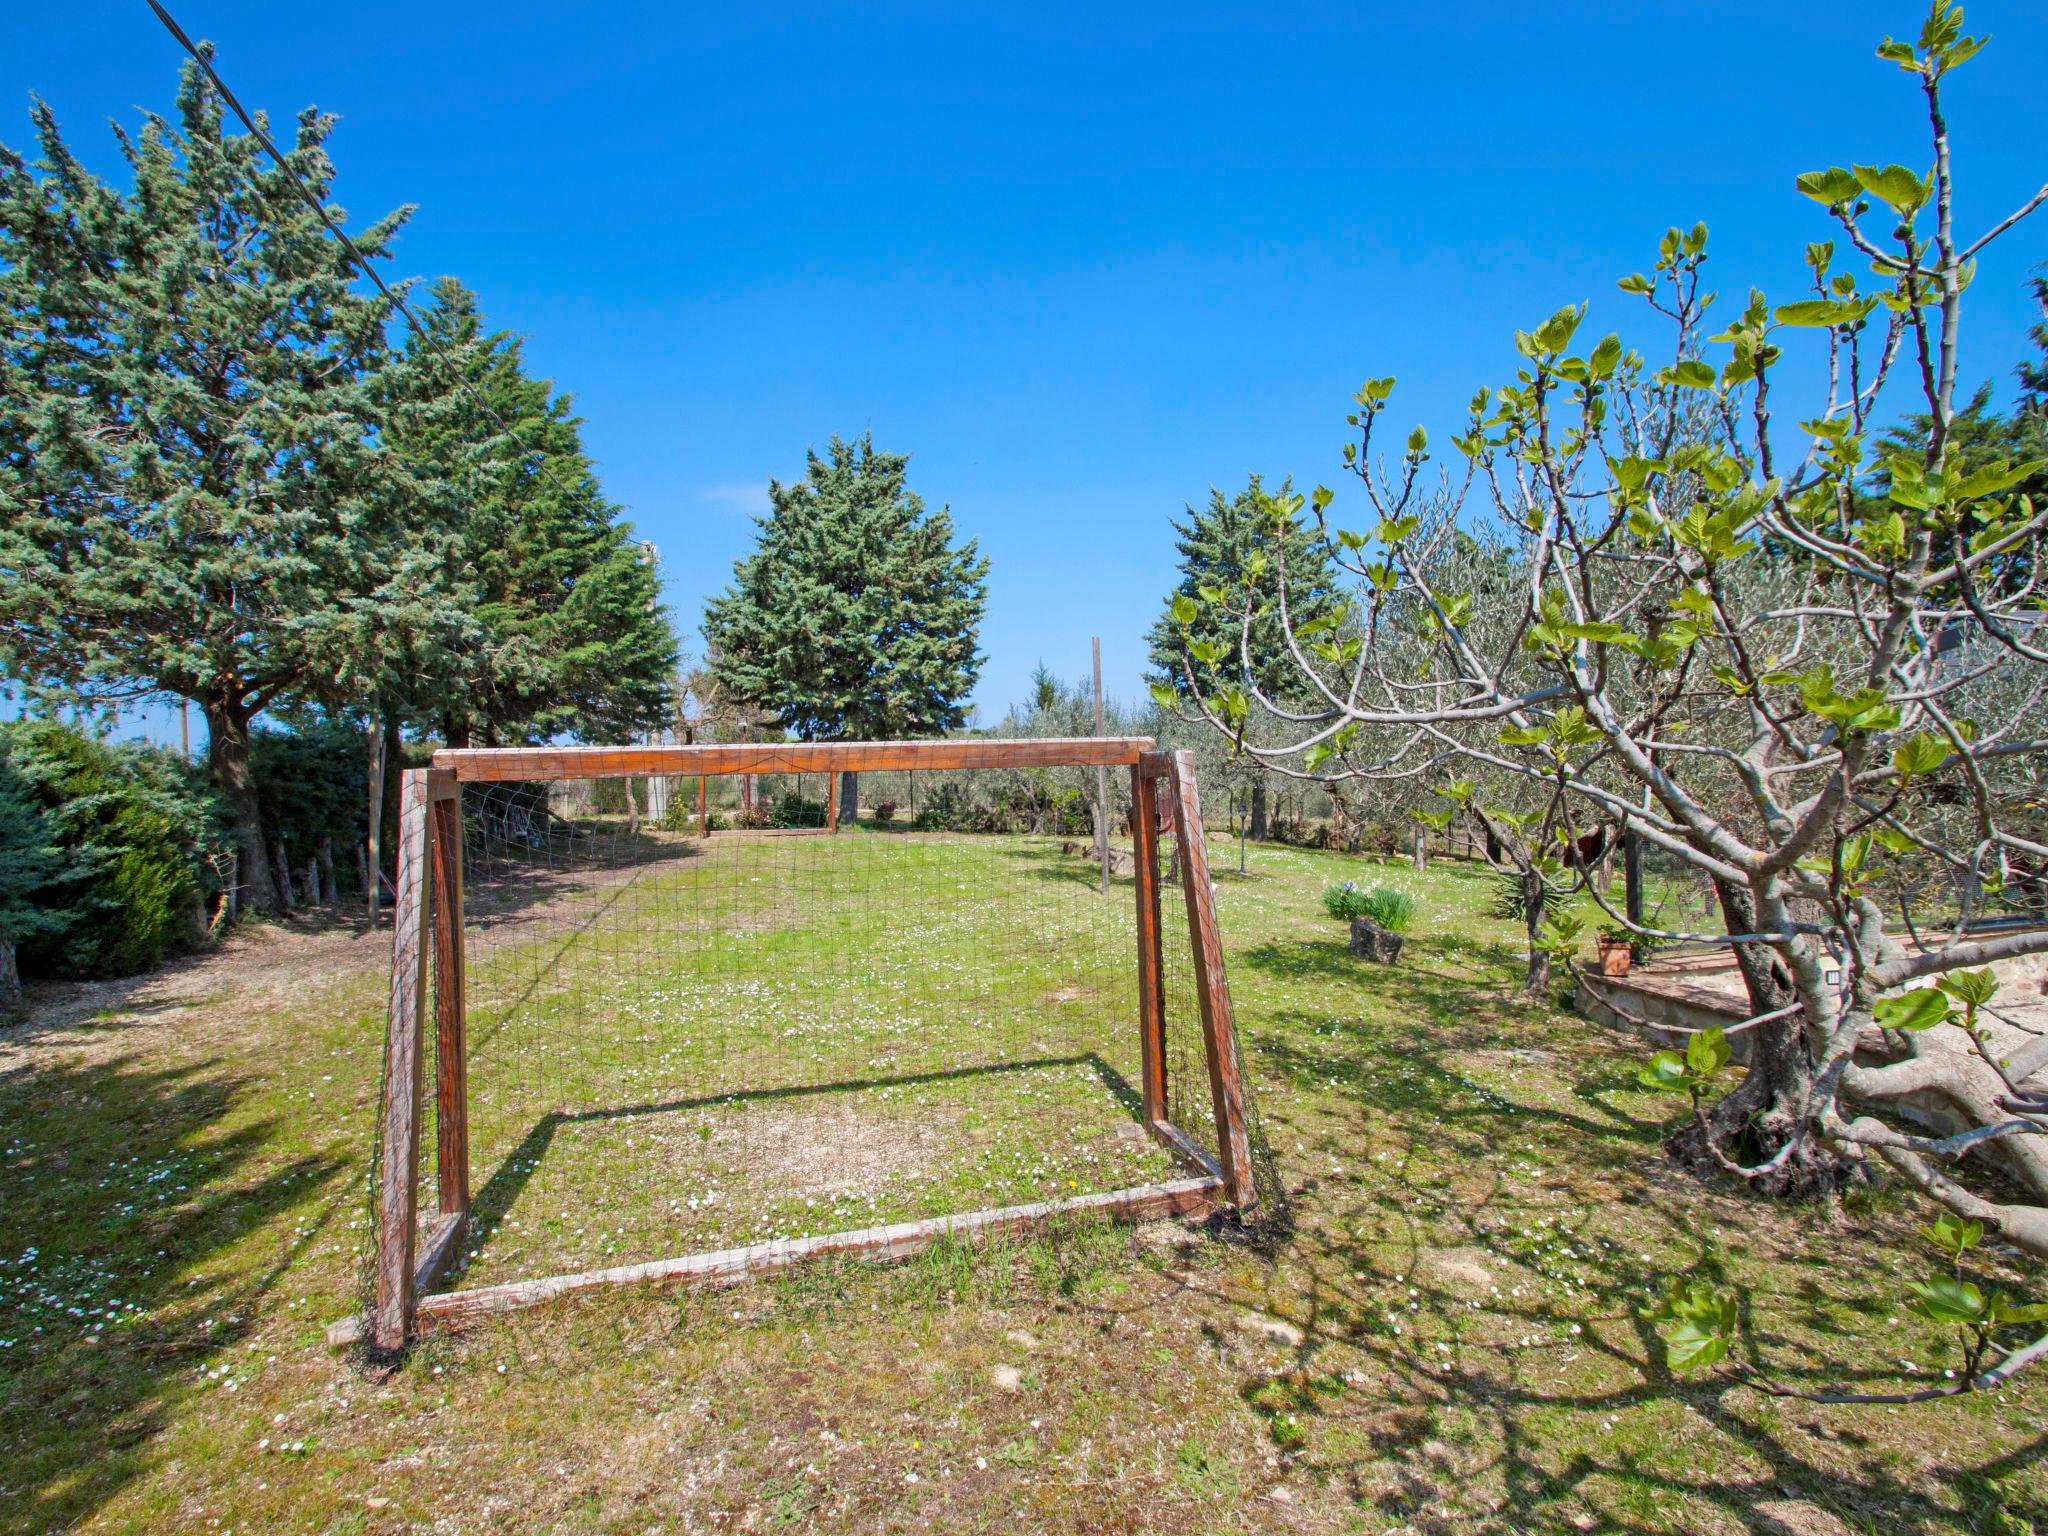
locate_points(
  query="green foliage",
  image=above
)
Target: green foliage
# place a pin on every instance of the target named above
(199, 500)
(1228, 555)
(1706, 1055)
(1344, 902)
(856, 615)
(574, 638)
(132, 827)
(313, 786)
(1697, 1322)
(1391, 909)
(792, 809)
(31, 856)
(1510, 897)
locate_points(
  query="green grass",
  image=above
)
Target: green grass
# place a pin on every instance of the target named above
(1438, 1332)
(778, 1038)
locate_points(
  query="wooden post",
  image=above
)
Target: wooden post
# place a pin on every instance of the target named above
(1101, 776)
(451, 1064)
(1212, 990)
(1151, 971)
(831, 801)
(398, 1182)
(703, 815)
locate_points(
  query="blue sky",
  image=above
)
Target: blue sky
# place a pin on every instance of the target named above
(1082, 263)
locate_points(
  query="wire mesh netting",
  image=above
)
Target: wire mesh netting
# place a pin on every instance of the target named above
(681, 1040)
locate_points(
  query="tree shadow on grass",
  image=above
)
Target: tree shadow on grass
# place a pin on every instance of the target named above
(1490, 1215)
(124, 1186)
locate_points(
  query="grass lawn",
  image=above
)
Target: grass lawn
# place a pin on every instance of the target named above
(1439, 1333)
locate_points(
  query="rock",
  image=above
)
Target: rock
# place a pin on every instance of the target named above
(1278, 1331)
(1021, 1339)
(1120, 860)
(1369, 941)
(1007, 1378)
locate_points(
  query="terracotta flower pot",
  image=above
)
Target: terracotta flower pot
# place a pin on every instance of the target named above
(1614, 957)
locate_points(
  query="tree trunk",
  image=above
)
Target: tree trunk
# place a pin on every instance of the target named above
(1257, 832)
(227, 760)
(849, 797)
(284, 878)
(394, 765)
(1751, 1124)
(10, 978)
(1536, 983)
(1419, 847)
(455, 729)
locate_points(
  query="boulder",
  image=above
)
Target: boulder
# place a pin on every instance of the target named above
(1369, 941)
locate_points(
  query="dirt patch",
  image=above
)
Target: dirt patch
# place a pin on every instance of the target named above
(1459, 1270)
(818, 1149)
(258, 967)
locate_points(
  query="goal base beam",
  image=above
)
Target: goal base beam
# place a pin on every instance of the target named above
(732, 1266)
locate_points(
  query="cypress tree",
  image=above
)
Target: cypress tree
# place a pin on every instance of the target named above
(574, 637)
(856, 615)
(1217, 544)
(198, 500)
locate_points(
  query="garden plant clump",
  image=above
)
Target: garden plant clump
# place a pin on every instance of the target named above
(1378, 918)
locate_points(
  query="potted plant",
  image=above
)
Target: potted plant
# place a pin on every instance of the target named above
(1617, 948)
(1378, 918)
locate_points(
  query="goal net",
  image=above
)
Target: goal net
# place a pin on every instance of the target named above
(667, 1014)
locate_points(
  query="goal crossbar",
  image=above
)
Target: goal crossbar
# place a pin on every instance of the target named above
(408, 1268)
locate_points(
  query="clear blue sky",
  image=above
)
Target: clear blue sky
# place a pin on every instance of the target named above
(1081, 263)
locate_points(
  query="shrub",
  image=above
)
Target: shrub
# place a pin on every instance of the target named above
(885, 812)
(795, 810)
(1508, 900)
(134, 826)
(1344, 902)
(1393, 910)
(312, 785)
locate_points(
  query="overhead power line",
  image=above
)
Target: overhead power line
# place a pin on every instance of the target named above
(355, 255)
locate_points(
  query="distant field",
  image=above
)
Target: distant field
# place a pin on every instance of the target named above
(1438, 1331)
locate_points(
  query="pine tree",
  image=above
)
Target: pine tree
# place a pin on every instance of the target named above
(198, 499)
(856, 616)
(575, 640)
(1217, 544)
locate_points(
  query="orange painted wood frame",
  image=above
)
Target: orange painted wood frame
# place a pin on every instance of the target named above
(526, 764)
(428, 919)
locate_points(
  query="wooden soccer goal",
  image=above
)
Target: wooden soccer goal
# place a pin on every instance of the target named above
(925, 992)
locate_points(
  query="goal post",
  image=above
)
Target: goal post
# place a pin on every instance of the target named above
(645, 954)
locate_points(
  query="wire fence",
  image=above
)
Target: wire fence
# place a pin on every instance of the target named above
(682, 1041)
